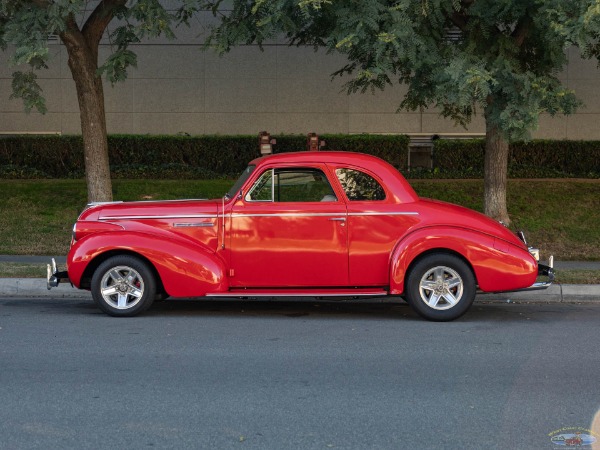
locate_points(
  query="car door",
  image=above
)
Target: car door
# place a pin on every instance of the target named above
(375, 223)
(289, 230)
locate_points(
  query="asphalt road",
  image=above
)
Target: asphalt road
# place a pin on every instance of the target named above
(289, 375)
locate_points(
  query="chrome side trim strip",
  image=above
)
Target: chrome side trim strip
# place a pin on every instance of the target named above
(410, 213)
(174, 216)
(211, 216)
(242, 293)
(291, 215)
(206, 216)
(92, 204)
(391, 213)
(191, 225)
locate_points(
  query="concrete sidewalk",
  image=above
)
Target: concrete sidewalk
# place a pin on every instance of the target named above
(565, 293)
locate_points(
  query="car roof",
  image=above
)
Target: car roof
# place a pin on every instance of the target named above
(320, 156)
(394, 180)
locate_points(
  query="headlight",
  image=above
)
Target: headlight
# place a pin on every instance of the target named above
(535, 252)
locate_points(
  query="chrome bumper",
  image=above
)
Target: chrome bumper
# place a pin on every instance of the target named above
(543, 271)
(53, 276)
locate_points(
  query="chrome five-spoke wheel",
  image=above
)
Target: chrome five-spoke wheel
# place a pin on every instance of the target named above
(123, 285)
(440, 286)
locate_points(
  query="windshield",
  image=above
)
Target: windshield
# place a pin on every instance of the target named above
(241, 180)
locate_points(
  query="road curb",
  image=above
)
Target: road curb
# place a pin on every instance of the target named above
(36, 287)
(557, 293)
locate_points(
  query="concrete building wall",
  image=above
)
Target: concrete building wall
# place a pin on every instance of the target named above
(177, 88)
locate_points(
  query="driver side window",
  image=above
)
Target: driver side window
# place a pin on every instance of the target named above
(292, 185)
(262, 191)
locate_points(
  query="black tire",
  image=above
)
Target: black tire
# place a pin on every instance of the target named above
(440, 287)
(123, 286)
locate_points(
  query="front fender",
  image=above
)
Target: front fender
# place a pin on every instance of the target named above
(186, 269)
(498, 265)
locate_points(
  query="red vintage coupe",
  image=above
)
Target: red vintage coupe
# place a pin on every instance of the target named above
(308, 224)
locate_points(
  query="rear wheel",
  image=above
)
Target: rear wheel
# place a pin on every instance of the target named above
(440, 287)
(123, 286)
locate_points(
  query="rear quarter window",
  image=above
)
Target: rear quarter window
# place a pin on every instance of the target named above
(360, 186)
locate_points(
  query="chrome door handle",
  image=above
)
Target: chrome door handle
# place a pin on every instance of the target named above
(338, 219)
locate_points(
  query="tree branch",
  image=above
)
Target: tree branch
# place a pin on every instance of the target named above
(459, 20)
(71, 36)
(94, 27)
(521, 31)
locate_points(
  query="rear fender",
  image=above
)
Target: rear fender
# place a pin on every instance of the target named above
(497, 265)
(185, 269)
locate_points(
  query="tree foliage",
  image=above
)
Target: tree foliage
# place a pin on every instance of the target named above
(26, 26)
(497, 58)
(501, 57)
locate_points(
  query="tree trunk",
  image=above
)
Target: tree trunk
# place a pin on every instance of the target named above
(83, 62)
(495, 175)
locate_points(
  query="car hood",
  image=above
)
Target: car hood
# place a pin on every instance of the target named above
(150, 210)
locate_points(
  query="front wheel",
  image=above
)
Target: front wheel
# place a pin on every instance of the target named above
(440, 287)
(123, 286)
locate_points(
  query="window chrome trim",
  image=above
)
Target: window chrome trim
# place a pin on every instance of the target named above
(248, 196)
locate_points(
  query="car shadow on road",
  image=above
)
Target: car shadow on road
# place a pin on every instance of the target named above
(293, 309)
(279, 307)
(231, 307)
(318, 309)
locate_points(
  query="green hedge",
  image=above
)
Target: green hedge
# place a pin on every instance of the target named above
(143, 156)
(532, 159)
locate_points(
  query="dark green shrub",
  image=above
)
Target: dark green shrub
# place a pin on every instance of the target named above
(10, 172)
(56, 156)
(143, 156)
(532, 159)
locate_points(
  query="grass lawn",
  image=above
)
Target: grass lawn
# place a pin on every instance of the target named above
(559, 216)
(36, 216)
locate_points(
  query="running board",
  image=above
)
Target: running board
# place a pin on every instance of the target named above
(300, 293)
